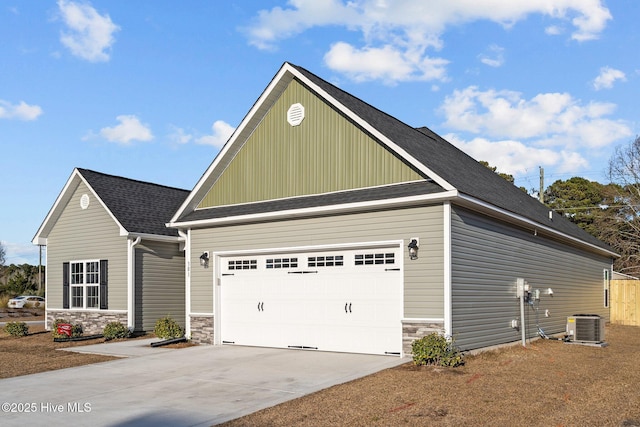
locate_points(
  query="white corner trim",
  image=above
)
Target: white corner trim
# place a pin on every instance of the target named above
(448, 308)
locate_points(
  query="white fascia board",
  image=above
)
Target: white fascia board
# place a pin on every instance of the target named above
(275, 87)
(61, 202)
(320, 210)
(374, 131)
(41, 235)
(534, 224)
(238, 136)
(156, 237)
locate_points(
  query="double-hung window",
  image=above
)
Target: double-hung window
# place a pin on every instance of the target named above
(84, 284)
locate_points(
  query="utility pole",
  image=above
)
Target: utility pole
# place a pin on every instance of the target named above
(541, 192)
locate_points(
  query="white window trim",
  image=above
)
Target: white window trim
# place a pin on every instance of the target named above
(84, 285)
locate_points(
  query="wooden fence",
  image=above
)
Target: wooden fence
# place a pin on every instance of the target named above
(625, 302)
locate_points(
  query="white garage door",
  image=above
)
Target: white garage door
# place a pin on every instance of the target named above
(345, 300)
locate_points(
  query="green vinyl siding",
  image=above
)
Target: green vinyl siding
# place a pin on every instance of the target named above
(325, 153)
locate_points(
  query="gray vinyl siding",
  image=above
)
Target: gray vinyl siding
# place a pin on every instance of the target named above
(160, 286)
(89, 234)
(423, 293)
(488, 256)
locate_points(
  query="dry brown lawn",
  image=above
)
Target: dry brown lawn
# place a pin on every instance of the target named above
(37, 352)
(548, 383)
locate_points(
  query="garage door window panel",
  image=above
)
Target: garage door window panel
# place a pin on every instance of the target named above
(280, 263)
(243, 264)
(375, 259)
(326, 261)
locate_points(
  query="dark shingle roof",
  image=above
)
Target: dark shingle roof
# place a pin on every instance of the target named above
(457, 168)
(140, 207)
(344, 197)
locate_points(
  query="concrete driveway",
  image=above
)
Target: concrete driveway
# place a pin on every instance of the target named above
(196, 386)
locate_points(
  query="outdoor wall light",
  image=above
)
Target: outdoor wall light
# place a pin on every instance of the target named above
(413, 248)
(204, 259)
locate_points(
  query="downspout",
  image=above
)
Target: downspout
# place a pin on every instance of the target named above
(448, 303)
(187, 281)
(131, 285)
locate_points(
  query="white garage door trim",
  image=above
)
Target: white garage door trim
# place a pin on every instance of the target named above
(304, 297)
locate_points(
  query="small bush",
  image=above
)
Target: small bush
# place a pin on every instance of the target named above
(434, 349)
(4, 300)
(17, 329)
(115, 330)
(167, 328)
(76, 330)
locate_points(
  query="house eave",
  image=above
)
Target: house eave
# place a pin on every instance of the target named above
(535, 226)
(155, 237)
(315, 211)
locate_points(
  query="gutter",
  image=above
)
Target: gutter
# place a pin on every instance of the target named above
(131, 281)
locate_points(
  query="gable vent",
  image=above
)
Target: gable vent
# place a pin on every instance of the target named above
(84, 201)
(295, 114)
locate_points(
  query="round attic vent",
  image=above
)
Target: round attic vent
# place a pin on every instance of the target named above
(84, 201)
(295, 114)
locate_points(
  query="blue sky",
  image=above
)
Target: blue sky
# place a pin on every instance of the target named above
(151, 90)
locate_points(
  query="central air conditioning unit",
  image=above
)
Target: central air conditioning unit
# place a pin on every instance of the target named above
(585, 328)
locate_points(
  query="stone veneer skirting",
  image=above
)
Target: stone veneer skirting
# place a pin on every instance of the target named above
(202, 329)
(92, 322)
(416, 329)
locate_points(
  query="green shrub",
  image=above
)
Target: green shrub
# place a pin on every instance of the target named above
(167, 328)
(17, 329)
(115, 330)
(434, 349)
(76, 330)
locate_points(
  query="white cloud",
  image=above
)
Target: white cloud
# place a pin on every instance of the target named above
(129, 129)
(607, 78)
(508, 156)
(517, 158)
(221, 133)
(494, 57)
(552, 119)
(386, 63)
(405, 31)
(278, 23)
(21, 111)
(89, 35)
(553, 30)
(22, 253)
(179, 136)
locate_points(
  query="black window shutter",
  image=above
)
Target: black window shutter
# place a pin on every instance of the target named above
(104, 279)
(65, 285)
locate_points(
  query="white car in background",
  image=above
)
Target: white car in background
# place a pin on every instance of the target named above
(26, 301)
